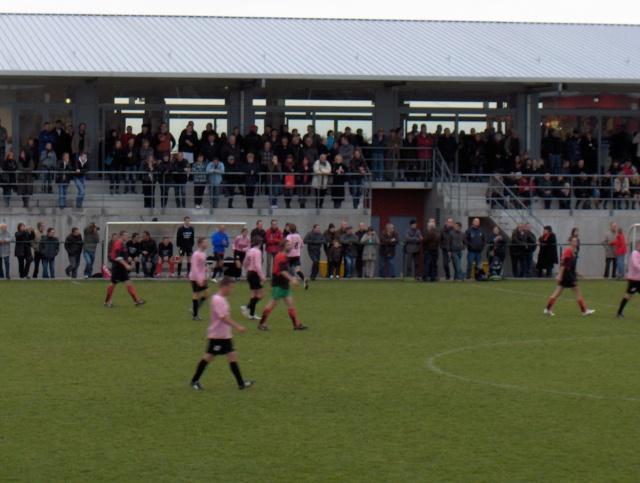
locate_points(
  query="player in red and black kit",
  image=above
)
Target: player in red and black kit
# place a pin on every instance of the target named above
(280, 281)
(185, 240)
(120, 270)
(568, 278)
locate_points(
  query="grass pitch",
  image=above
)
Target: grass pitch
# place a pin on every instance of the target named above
(394, 382)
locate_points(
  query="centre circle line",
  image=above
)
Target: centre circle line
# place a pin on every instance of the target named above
(433, 367)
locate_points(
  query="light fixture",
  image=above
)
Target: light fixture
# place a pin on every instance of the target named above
(596, 99)
(67, 100)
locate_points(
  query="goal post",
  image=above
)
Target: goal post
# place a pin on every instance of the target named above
(161, 229)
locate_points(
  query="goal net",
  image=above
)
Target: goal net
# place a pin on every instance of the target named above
(161, 229)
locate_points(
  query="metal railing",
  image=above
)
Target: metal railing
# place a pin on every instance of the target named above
(100, 189)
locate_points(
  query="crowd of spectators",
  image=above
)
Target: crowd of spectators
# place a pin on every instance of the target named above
(347, 251)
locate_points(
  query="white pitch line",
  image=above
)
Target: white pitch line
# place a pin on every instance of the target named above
(433, 367)
(540, 295)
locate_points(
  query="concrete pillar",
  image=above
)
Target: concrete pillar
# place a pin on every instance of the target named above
(274, 118)
(85, 99)
(534, 125)
(233, 109)
(386, 113)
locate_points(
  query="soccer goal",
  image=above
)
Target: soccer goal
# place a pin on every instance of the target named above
(633, 235)
(161, 229)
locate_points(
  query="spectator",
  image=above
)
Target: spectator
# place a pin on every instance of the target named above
(49, 249)
(49, 163)
(209, 147)
(289, 180)
(73, 247)
(369, 242)
(448, 148)
(165, 255)
(362, 231)
(497, 245)
(474, 242)
(378, 147)
(349, 242)
(388, 242)
(180, 173)
(252, 179)
(130, 165)
(9, 168)
(314, 241)
(188, 142)
(346, 150)
(38, 233)
(199, 175)
(334, 258)
(304, 180)
(25, 177)
(81, 142)
(91, 240)
(127, 136)
(4, 137)
(357, 172)
(330, 234)
(241, 245)
(456, 246)
(149, 180)
(65, 174)
(610, 251)
(258, 233)
(445, 244)
(432, 240)
(412, 242)
(5, 252)
(321, 176)
(548, 253)
(233, 180)
(133, 252)
(339, 178)
(48, 136)
(273, 237)
(274, 181)
(81, 168)
(163, 141)
(22, 250)
(215, 170)
(148, 254)
(620, 246)
(117, 165)
(165, 178)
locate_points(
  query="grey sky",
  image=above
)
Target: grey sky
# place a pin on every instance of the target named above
(612, 11)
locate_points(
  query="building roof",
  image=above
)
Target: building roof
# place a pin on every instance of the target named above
(293, 48)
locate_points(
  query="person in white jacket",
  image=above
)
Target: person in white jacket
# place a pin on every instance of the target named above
(321, 177)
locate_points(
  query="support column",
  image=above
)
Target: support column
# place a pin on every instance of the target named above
(85, 99)
(534, 125)
(240, 109)
(386, 110)
(274, 118)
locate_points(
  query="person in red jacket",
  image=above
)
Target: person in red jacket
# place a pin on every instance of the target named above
(619, 244)
(272, 241)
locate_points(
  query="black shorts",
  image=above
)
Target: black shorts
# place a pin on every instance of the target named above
(239, 256)
(218, 257)
(254, 281)
(118, 273)
(568, 282)
(294, 262)
(633, 286)
(220, 347)
(186, 252)
(197, 288)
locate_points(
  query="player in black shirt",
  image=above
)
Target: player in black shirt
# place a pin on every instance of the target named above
(133, 249)
(185, 239)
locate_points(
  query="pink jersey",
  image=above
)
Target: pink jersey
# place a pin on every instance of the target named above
(253, 262)
(241, 243)
(296, 244)
(633, 271)
(198, 271)
(218, 328)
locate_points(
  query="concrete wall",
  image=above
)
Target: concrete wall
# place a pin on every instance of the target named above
(63, 222)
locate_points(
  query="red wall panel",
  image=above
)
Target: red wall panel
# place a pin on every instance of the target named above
(389, 202)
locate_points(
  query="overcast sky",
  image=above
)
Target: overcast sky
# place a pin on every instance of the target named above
(611, 11)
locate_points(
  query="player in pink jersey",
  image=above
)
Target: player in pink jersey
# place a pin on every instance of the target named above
(198, 277)
(294, 255)
(219, 335)
(633, 279)
(255, 278)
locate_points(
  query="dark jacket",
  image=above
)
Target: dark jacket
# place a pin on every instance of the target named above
(73, 245)
(497, 246)
(314, 242)
(49, 247)
(23, 244)
(432, 239)
(388, 243)
(64, 172)
(474, 239)
(149, 246)
(349, 245)
(456, 241)
(548, 254)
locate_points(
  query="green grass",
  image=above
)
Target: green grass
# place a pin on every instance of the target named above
(89, 394)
